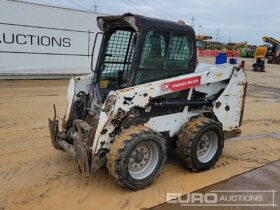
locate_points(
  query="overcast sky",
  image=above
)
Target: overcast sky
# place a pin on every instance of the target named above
(237, 21)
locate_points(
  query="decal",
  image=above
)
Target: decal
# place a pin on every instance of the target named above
(181, 84)
(36, 40)
(219, 75)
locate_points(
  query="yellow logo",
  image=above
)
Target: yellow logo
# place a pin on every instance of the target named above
(219, 75)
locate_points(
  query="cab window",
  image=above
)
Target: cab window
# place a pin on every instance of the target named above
(164, 55)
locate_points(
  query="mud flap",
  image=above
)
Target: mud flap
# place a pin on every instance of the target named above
(53, 127)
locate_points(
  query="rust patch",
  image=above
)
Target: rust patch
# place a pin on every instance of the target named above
(108, 100)
(232, 134)
(91, 136)
(120, 114)
(218, 104)
(102, 143)
(99, 159)
(243, 104)
(53, 127)
(82, 156)
(104, 131)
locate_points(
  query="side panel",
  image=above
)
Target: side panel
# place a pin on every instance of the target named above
(229, 107)
(76, 85)
(170, 123)
(125, 99)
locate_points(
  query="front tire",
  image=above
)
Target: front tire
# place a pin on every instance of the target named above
(136, 157)
(200, 144)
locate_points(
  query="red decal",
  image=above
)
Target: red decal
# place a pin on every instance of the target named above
(181, 84)
(164, 86)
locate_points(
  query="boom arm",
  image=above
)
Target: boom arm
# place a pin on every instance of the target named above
(241, 44)
(202, 37)
(270, 40)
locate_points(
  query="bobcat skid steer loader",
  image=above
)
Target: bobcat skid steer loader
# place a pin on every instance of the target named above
(145, 95)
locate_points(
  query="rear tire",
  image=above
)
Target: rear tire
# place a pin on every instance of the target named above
(200, 143)
(136, 157)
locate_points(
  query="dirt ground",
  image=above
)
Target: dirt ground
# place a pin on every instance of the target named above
(265, 178)
(34, 175)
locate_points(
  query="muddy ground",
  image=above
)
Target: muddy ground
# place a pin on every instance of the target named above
(34, 175)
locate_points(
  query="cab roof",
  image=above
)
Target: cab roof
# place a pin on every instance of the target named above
(138, 22)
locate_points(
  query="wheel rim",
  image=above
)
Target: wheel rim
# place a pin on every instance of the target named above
(207, 147)
(143, 160)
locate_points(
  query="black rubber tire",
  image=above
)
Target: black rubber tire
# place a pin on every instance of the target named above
(189, 137)
(118, 156)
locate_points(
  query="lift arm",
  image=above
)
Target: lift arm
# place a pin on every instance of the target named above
(270, 40)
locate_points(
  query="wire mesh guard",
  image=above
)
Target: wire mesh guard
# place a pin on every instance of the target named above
(118, 55)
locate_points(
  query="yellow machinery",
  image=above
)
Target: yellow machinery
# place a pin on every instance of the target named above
(273, 55)
(201, 41)
(270, 40)
(202, 37)
(260, 58)
(235, 46)
(240, 45)
(260, 52)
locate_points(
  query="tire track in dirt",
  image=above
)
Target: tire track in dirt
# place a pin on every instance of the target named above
(29, 164)
(23, 143)
(34, 174)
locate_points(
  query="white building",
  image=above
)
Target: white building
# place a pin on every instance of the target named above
(39, 41)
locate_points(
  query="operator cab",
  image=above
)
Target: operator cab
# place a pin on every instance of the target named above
(137, 50)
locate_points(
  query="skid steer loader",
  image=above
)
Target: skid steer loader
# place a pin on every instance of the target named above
(147, 95)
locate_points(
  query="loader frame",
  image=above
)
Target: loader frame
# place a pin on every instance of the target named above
(216, 92)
